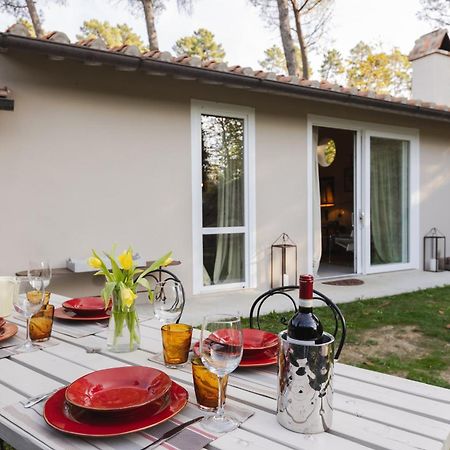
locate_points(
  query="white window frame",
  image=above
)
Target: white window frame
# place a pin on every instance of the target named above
(248, 115)
(362, 202)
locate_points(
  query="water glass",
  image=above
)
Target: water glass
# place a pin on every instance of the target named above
(41, 324)
(176, 339)
(206, 386)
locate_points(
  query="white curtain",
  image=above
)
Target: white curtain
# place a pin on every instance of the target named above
(316, 214)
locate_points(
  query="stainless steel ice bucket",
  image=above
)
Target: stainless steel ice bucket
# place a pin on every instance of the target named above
(305, 385)
(305, 379)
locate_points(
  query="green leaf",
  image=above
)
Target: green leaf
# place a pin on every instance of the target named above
(103, 269)
(118, 275)
(107, 292)
(144, 283)
(156, 265)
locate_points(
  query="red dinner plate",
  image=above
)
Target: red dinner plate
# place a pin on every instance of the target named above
(61, 313)
(255, 339)
(265, 357)
(85, 305)
(8, 330)
(118, 389)
(73, 420)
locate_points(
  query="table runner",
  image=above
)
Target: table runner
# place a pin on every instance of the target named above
(192, 438)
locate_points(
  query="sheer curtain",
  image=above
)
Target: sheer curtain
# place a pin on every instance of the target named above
(388, 200)
(316, 214)
(228, 266)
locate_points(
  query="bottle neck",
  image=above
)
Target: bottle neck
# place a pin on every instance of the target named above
(305, 304)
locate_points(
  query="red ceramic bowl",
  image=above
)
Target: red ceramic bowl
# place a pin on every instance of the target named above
(255, 339)
(85, 305)
(118, 389)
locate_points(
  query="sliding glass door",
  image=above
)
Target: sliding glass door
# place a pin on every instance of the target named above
(387, 219)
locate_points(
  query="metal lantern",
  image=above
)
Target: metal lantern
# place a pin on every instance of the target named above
(283, 262)
(434, 251)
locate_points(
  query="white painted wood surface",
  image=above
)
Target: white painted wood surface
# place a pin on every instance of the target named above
(372, 410)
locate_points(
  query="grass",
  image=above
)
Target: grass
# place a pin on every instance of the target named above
(373, 326)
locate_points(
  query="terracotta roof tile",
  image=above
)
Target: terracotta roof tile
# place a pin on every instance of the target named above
(57, 36)
(436, 41)
(427, 43)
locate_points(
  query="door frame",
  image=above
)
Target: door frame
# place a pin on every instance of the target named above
(361, 218)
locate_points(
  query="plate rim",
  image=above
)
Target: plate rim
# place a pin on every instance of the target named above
(14, 330)
(124, 408)
(91, 317)
(165, 419)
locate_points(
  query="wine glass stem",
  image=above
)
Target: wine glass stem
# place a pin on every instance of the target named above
(28, 330)
(220, 408)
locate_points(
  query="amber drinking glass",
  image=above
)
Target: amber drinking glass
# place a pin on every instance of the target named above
(176, 339)
(206, 385)
(41, 324)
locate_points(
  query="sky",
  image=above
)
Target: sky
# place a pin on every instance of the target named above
(239, 27)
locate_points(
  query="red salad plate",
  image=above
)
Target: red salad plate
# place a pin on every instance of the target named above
(118, 389)
(63, 314)
(255, 339)
(258, 358)
(73, 420)
(85, 305)
(8, 330)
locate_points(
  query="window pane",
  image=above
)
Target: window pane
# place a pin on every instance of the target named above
(223, 258)
(222, 171)
(389, 200)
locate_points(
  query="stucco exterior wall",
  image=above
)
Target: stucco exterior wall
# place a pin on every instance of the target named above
(92, 156)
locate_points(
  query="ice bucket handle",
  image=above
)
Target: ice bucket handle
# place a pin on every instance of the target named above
(338, 317)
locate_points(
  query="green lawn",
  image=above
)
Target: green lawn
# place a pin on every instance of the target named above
(406, 335)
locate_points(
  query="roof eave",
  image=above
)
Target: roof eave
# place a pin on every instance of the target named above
(119, 60)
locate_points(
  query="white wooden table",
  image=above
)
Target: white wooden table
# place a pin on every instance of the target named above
(372, 410)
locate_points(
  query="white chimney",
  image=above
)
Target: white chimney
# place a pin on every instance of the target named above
(430, 60)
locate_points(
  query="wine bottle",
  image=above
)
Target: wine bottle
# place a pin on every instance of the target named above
(304, 325)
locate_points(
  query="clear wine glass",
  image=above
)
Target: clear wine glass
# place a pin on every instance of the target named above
(28, 299)
(221, 345)
(168, 301)
(40, 269)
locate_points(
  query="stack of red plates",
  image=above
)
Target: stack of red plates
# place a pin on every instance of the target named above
(83, 308)
(260, 348)
(7, 329)
(116, 401)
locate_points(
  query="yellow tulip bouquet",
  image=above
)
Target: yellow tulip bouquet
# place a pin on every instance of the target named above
(121, 284)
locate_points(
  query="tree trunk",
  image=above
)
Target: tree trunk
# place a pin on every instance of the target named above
(301, 39)
(286, 37)
(149, 13)
(35, 19)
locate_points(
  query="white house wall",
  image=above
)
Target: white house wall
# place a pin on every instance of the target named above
(92, 156)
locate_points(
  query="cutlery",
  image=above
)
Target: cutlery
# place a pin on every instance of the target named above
(171, 433)
(35, 400)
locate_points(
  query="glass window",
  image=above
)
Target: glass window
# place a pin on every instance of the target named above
(223, 199)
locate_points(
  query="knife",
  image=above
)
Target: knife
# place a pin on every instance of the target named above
(35, 400)
(171, 433)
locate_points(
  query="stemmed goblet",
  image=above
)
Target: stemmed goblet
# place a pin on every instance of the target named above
(40, 269)
(168, 301)
(28, 299)
(221, 346)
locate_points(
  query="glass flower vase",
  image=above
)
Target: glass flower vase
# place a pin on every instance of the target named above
(123, 328)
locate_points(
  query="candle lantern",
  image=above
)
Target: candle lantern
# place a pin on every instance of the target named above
(434, 251)
(283, 262)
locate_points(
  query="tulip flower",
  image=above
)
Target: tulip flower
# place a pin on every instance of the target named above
(94, 262)
(126, 260)
(128, 296)
(167, 262)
